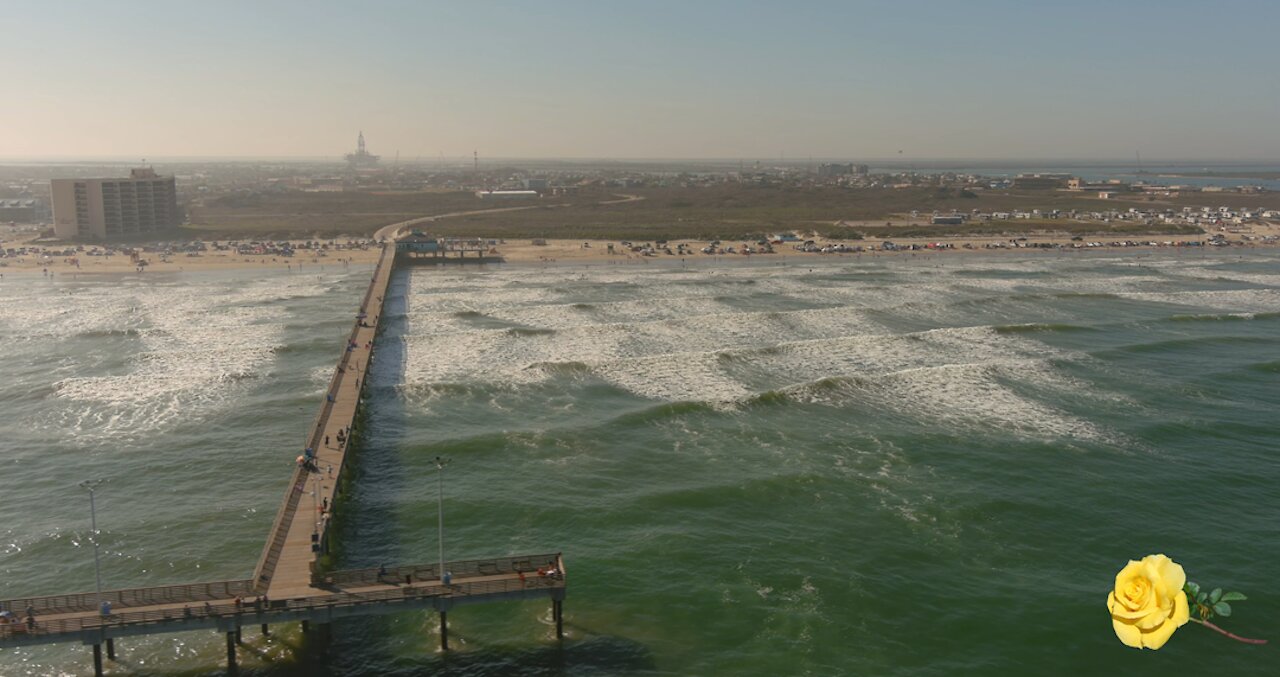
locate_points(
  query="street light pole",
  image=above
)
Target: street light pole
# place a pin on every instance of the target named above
(440, 463)
(93, 523)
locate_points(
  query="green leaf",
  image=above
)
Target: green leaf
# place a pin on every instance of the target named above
(1192, 589)
(1222, 609)
(1200, 598)
(1233, 597)
(1215, 596)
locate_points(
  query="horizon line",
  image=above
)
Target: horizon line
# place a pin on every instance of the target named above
(420, 160)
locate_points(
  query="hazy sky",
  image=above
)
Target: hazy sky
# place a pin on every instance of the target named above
(643, 78)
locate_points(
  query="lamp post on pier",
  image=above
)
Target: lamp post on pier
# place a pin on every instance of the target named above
(93, 524)
(440, 463)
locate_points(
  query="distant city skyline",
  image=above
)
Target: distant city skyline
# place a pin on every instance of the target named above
(982, 80)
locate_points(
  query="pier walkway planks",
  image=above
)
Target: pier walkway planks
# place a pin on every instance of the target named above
(299, 533)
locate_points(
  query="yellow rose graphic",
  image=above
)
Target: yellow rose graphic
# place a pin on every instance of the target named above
(1148, 604)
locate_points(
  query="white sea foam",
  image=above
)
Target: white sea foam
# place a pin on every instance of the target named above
(1212, 273)
(962, 397)
(509, 354)
(689, 339)
(727, 359)
(194, 344)
(1230, 301)
(53, 315)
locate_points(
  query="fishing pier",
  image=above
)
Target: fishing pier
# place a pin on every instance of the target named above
(289, 582)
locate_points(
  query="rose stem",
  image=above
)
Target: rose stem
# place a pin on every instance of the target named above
(1232, 635)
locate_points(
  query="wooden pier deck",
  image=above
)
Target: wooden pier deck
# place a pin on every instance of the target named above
(288, 584)
(299, 534)
(338, 594)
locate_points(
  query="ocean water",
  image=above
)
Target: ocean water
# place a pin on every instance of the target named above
(927, 465)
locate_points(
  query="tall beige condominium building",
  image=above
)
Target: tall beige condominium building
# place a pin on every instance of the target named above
(105, 209)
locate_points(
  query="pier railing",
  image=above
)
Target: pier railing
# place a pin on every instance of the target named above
(279, 533)
(133, 597)
(474, 568)
(250, 613)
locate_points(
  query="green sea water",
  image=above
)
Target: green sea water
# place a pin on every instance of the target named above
(849, 466)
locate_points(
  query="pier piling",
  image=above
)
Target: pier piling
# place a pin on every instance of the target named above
(444, 631)
(231, 652)
(97, 660)
(111, 648)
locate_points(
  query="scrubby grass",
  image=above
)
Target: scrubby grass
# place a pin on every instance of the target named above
(728, 211)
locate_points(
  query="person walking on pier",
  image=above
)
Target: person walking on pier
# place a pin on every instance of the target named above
(31, 617)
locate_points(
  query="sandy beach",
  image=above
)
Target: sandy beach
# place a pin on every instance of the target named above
(51, 259)
(302, 260)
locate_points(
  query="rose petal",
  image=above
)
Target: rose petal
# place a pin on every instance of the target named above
(1156, 638)
(1136, 594)
(1130, 570)
(1181, 611)
(1172, 576)
(1119, 610)
(1153, 620)
(1128, 634)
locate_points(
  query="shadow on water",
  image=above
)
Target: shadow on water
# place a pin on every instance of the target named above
(366, 518)
(596, 655)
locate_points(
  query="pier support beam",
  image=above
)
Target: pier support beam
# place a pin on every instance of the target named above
(97, 660)
(557, 612)
(111, 648)
(444, 631)
(266, 631)
(231, 652)
(239, 639)
(306, 626)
